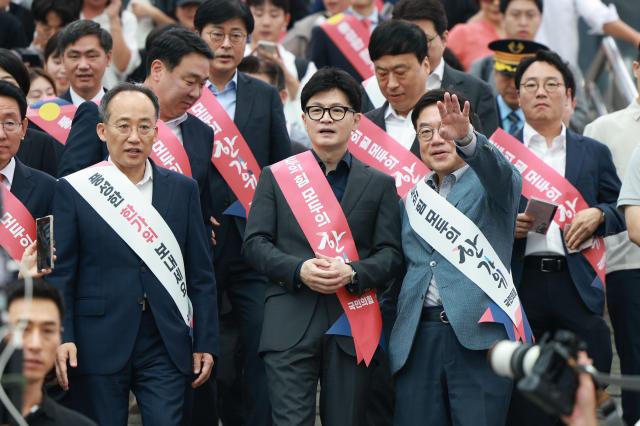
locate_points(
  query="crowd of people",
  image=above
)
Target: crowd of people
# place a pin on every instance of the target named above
(254, 198)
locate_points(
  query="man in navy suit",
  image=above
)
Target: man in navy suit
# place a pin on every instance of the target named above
(256, 110)
(122, 329)
(558, 288)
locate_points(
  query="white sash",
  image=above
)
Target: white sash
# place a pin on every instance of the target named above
(463, 245)
(117, 200)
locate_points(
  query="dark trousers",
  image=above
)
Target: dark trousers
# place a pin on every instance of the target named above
(293, 374)
(551, 302)
(445, 384)
(151, 375)
(623, 302)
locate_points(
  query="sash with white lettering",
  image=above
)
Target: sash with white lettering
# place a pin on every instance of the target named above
(463, 245)
(542, 181)
(139, 224)
(322, 220)
(376, 148)
(54, 118)
(232, 156)
(168, 152)
(18, 227)
(352, 38)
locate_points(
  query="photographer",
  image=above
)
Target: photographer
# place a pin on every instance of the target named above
(584, 410)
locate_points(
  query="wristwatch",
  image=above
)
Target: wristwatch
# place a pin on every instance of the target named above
(353, 287)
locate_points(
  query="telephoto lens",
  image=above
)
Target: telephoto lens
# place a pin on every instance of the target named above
(512, 359)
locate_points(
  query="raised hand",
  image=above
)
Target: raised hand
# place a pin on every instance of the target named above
(454, 123)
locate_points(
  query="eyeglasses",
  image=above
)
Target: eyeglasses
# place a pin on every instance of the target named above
(550, 86)
(235, 37)
(426, 133)
(336, 113)
(10, 126)
(125, 129)
(430, 39)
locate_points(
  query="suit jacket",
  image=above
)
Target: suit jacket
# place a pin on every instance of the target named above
(67, 96)
(478, 93)
(275, 245)
(324, 53)
(260, 118)
(590, 169)
(103, 280)
(488, 194)
(39, 151)
(34, 189)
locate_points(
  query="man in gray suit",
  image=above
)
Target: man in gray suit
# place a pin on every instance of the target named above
(301, 302)
(437, 348)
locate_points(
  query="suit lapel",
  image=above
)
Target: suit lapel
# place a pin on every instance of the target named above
(574, 157)
(244, 101)
(359, 177)
(447, 80)
(21, 186)
(187, 135)
(162, 190)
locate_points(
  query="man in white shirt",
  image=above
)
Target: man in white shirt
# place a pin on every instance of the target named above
(557, 285)
(619, 131)
(86, 54)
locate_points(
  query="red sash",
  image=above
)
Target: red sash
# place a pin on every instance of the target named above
(53, 119)
(168, 152)
(387, 155)
(18, 227)
(324, 225)
(543, 182)
(352, 38)
(232, 156)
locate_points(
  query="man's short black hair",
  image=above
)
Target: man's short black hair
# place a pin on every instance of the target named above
(255, 65)
(219, 11)
(431, 98)
(551, 58)
(417, 10)
(329, 78)
(280, 4)
(505, 3)
(396, 37)
(173, 45)
(67, 10)
(103, 109)
(12, 64)
(82, 28)
(52, 48)
(42, 290)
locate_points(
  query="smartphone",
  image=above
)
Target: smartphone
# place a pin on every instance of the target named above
(542, 213)
(268, 47)
(44, 238)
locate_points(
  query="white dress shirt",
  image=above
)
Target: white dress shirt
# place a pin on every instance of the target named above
(77, 99)
(399, 128)
(556, 157)
(145, 186)
(8, 172)
(559, 27)
(174, 125)
(435, 78)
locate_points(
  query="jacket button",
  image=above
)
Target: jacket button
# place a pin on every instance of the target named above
(432, 263)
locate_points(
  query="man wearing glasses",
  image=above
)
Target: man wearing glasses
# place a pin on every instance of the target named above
(256, 110)
(558, 285)
(301, 304)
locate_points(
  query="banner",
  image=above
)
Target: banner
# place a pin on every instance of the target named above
(232, 156)
(53, 118)
(322, 220)
(352, 38)
(542, 181)
(376, 148)
(168, 152)
(117, 200)
(18, 226)
(462, 244)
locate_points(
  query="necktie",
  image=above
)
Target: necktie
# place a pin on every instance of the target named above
(514, 123)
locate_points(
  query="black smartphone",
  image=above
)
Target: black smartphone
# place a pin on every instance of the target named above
(44, 238)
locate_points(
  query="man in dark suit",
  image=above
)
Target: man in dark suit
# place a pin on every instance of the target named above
(256, 110)
(558, 287)
(300, 302)
(123, 330)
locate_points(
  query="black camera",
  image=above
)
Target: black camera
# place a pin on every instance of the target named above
(545, 373)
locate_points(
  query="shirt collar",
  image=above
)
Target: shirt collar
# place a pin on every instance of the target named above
(77, 99)
(9, 171)
(529, 134)
(390, 112)
(373, 18)
(456, 174)
(231, 85)
(505, 109)
(47, 407)
(439, 71)
(175, 122)
(346, 159)
(148, 172)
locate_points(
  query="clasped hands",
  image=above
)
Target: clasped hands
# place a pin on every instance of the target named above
(583, 226)
(325, 274)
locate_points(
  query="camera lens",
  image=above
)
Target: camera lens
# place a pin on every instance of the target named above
(512, 359)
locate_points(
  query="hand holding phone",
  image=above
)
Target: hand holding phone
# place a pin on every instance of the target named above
(44, 239)
(542, 213)
(267, 47)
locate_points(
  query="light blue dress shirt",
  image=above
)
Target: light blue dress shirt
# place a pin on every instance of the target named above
(504, 110)
(227, 96)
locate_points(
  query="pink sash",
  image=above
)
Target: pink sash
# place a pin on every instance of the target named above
(543, 182)
(324, 225)
(53, 119)
(232, 156)
(168, 152)
(352, 38)
(18, 227)
(376, 148)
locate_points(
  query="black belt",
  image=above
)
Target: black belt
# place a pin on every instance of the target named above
(435, 313)
(546, 263)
